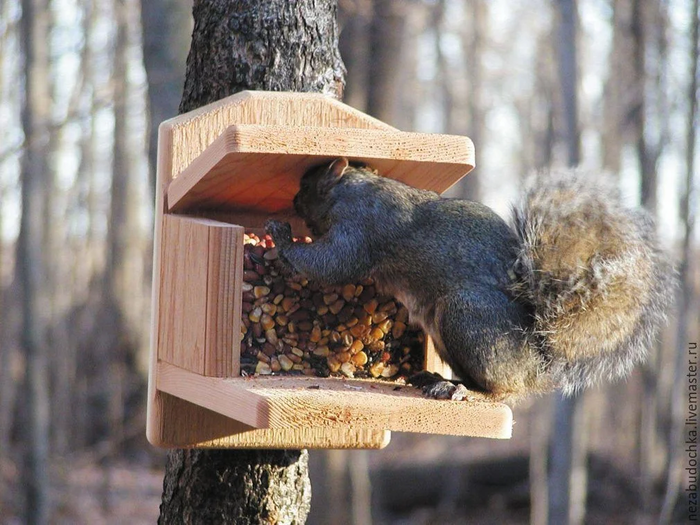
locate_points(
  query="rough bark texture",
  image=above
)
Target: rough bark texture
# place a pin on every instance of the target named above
(272, 46)
(242, 487)
(237, 45)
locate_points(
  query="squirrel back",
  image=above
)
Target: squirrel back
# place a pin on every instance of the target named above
(597, 281)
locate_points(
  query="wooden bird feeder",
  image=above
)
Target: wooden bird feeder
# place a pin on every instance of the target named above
(226, 168)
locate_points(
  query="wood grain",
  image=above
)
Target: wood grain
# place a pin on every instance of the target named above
(303, 402)
(193, 132)
(225, 277)
(254, 167)
(186, 425)
(200, 283)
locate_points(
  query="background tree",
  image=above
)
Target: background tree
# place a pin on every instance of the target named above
(568, 437)
(36, 183)
(167, 29)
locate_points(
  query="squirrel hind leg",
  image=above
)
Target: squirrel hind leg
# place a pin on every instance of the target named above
(435, 386)
(482, 337)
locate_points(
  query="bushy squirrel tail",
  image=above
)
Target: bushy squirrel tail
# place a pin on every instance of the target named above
(593, 273)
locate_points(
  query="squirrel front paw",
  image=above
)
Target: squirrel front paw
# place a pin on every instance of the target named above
(281, 232)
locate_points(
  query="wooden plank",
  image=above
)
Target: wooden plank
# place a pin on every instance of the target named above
(193, 132)
(155, 424)
(200, 282)
(306, 402)
(216, 394)
(183, 281)
(188, 425)
(257, 168)
(223, 318)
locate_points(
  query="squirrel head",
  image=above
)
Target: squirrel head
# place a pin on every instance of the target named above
(313, 201)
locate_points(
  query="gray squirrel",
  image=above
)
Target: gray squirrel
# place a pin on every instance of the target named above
(574, 293)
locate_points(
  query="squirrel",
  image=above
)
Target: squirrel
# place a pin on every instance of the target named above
(572, 294)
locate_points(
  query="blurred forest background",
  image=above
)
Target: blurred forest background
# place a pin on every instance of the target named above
(83, 86)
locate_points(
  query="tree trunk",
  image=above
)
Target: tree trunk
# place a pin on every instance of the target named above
(639, 38)
(354, 48)
(275, 46)
(386, 39)
(30, 272)
(8, 384)
(236, 486)
(114, 328)
(477, 12)
(167, 26)
(443, 75)
(568, 78)
(649, 23)
(614, 106)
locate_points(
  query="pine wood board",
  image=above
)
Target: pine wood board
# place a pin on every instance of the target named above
(186, 425)
(200, 281)
(332, 403)
(193, 132)
(258, 168)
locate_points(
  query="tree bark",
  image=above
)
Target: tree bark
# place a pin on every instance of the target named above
(271, 46)
(237, 45)
(236, 486)
(30, 271)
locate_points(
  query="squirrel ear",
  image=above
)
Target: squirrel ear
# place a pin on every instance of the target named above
(333, 174)
(338, 167)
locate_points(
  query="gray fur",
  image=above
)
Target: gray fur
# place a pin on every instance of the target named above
(573, 294)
